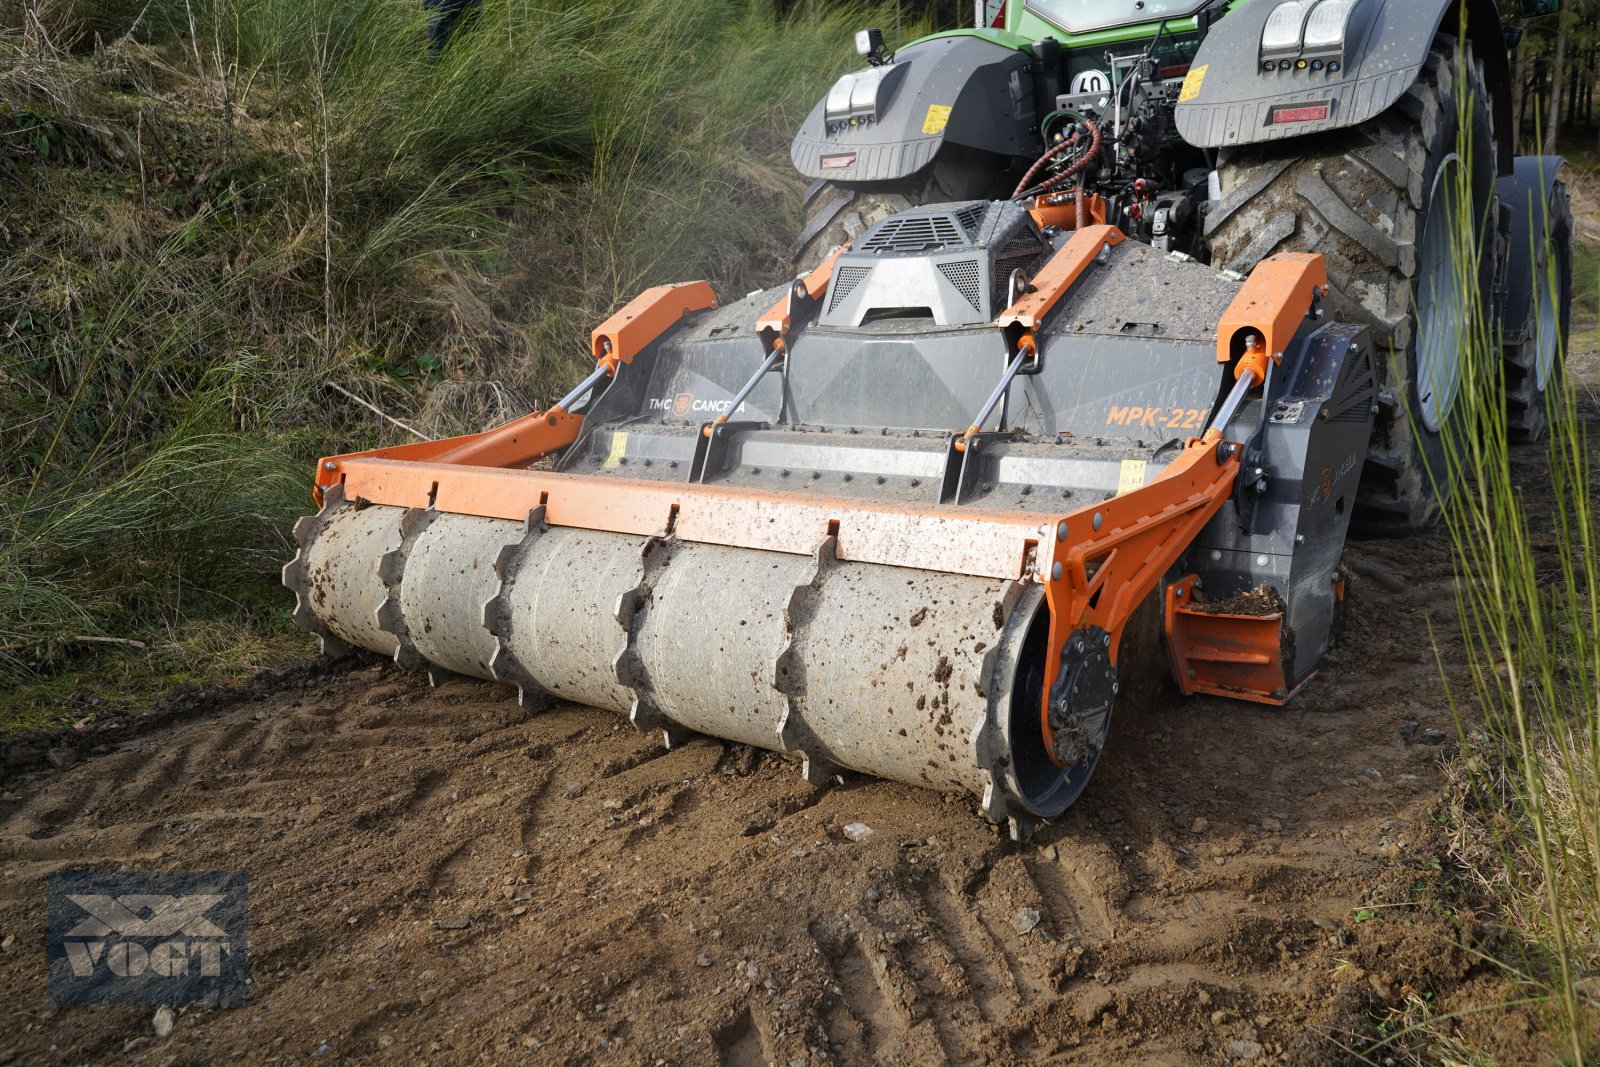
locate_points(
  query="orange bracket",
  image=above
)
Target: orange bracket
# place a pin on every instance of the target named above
(1107, 557)
(1269, 307)
(1231, 655)
(1061, 209)
(646, 317)
(527, 439)
(775, 324)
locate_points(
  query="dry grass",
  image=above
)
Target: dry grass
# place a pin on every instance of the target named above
(220, 220)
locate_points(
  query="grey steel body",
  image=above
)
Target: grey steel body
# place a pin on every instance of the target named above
(1389, 43)
(985, 89)
(922, 676)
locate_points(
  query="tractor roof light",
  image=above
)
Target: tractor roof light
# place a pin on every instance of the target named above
(869, 45)
(1282, 33)
(1326, 28)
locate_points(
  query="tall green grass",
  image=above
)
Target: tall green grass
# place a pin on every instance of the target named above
(1528, 598)
(212, 211)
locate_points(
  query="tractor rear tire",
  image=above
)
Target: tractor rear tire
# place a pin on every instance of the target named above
(1366, 198)
(1534, 361)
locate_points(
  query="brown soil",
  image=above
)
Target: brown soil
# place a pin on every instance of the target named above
(437, 872)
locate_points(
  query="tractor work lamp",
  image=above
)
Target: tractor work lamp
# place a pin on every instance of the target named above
(1299, 28)
(1282, 33)
(869, 43)
(1325, 29)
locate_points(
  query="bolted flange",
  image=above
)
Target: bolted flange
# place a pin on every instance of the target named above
(1081, 699)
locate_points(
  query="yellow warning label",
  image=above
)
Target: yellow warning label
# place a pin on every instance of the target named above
(619, 446)
(1191, 84)
(1131, 476)
(937, 119)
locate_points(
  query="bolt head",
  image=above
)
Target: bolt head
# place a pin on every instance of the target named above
(1061, 530)
(330, 466)
(1099, 520)
(1056, 571)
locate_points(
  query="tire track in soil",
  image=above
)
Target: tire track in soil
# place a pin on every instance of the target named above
(627, 903)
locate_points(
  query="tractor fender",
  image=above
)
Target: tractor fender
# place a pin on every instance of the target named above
(890, 121)
(1525, 193)
(1229, 98)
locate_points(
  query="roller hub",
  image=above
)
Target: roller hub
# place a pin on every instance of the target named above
(1081, 700)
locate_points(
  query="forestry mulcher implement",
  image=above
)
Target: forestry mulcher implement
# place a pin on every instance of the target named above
(905, 544)
(896, 515)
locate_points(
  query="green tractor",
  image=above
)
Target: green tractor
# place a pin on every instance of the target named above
(1228, 132)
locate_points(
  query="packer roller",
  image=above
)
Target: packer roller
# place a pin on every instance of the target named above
(891, 517)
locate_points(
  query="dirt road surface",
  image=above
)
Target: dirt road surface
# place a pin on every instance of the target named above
(439, 873)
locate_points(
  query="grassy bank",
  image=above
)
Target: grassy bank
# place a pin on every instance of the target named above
(222, 222)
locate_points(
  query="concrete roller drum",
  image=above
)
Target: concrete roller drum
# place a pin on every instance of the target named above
(708, 643)
(895, 672)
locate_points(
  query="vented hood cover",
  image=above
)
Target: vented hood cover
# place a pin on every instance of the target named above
(950, 264)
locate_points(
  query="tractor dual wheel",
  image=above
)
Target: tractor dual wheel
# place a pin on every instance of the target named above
(1385, 203)
(1533, 353)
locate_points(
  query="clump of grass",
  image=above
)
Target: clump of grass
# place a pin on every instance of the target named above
(213, 212)
(1527, 825)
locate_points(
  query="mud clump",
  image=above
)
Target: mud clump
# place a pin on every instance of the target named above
(1259, 602)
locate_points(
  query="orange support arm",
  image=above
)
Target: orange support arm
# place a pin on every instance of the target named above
(1107, 557)
(1061, 209)
(1045, 290)
(775, 323)
(1056, 277)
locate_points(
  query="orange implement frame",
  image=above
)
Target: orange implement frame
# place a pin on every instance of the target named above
(1097, 563)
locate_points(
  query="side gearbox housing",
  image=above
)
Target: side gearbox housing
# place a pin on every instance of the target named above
(1284, 531)
(970, 88)
(1242, 90)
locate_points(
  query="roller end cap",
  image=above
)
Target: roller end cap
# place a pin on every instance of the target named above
(1081, 699)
